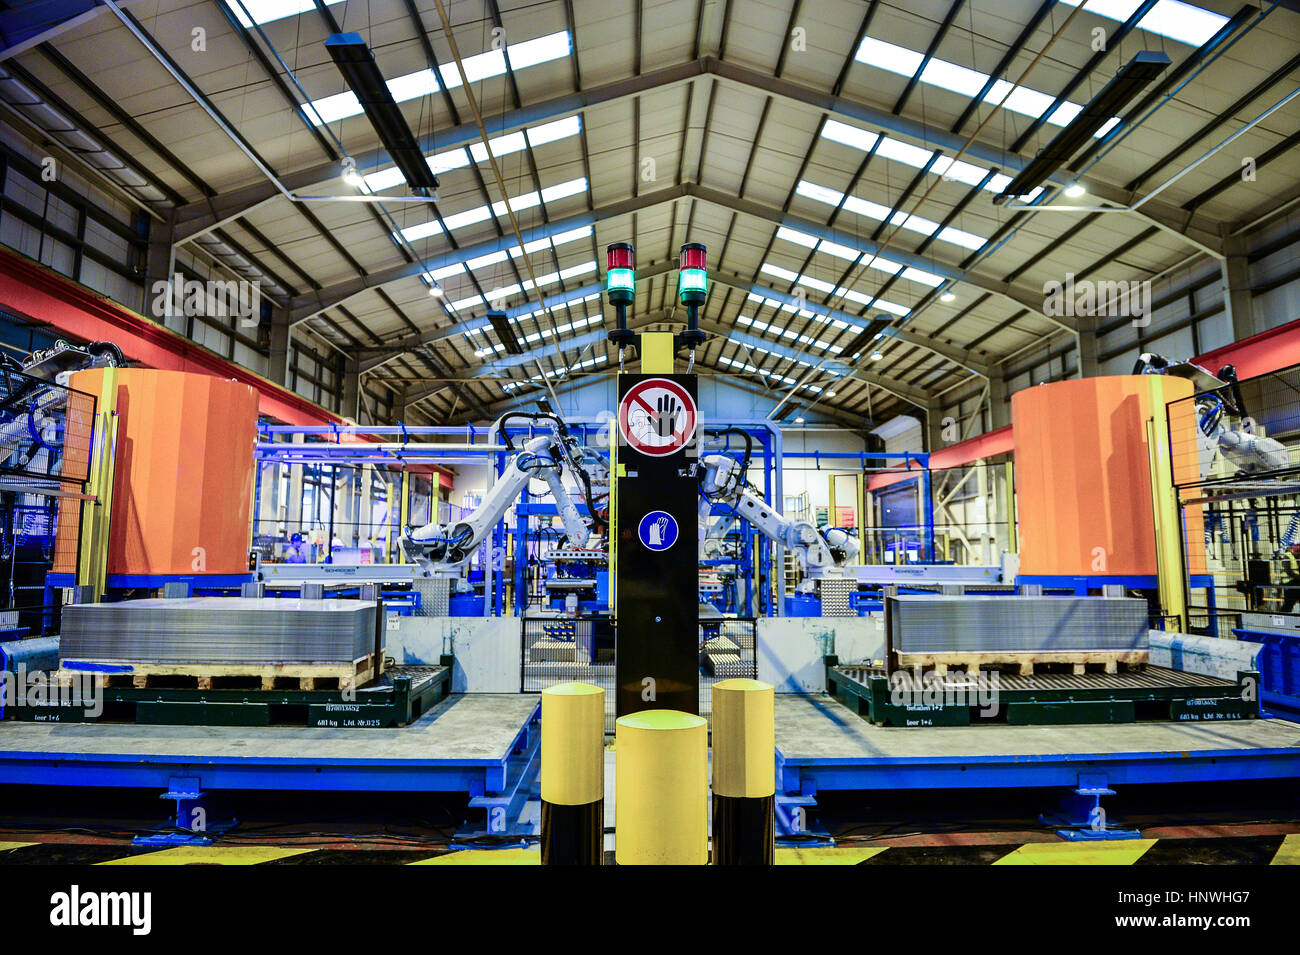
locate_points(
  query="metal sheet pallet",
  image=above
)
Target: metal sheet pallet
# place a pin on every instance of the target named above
(955, 699)
(398, 698)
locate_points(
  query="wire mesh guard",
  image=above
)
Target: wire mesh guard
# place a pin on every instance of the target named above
(560, 649)
(45, 429)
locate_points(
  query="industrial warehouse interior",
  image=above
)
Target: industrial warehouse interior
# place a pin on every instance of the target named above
(650, 432)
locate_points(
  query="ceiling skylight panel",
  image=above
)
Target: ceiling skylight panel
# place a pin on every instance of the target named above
(1179, 21)
(966, 82)
(481, 66)
(457, 158)
(265, 11)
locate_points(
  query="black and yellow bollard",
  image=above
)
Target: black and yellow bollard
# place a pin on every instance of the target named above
(661, 789)
(744, 773)
(573, 774)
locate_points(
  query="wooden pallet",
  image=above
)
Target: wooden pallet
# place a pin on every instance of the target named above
(209, 676)
(1077, 660)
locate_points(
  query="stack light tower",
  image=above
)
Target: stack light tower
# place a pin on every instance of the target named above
(620, 289)
(692, 290)
(654, 522)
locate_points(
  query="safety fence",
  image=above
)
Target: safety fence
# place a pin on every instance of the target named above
(562, 649)
(1233, 455)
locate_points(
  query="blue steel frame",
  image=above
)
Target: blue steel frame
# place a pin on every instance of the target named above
(800, 780)
(806, 777)
(498, 785)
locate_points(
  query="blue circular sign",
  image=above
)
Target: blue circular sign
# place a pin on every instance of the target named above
(657, 530)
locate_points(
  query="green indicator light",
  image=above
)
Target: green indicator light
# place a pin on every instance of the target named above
(620, 280)
(693, 282)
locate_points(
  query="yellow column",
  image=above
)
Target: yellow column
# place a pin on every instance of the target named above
(96, 514)
(573, 774)
(744, 773)
(862, 518)
(657, 350)
(1170, 573)
(662, 789)
(1009, 492)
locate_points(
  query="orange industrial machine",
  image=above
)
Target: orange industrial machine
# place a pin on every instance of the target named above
(1084, 468)
(182, 484)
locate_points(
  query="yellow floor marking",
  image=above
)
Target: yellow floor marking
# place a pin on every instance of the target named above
(486, 857)
(1119, 852)
(1288, 853)
(6, 846)
(209, 855)
(827, 856)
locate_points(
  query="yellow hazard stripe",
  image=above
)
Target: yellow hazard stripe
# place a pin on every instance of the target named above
(1118, 852)
(827, 856)
(1288, 853)
(209, 855)
(487, 857)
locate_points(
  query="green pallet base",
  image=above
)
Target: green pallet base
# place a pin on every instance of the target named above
(1154, 695)
(404, 695)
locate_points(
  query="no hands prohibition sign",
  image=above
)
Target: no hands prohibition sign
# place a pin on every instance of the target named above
(657, 417)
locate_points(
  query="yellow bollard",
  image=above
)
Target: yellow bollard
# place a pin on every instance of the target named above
(661, 789)
(573, 774)
(744, 773)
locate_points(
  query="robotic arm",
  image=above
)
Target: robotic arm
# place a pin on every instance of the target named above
(819, 552)
(1220, 395)
(441, 549)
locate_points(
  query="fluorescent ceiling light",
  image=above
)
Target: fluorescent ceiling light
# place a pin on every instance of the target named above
(1074, 190)
(501, 146)
(853, 296)
(747, 322)
(482, 66)
(880, 263)
(495, 258)
(915, 156)
(959, 79)
(1179, 21)
(481, 213)
(506, 291)
(874, 210)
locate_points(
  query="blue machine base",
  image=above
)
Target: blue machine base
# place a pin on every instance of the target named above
(170, 840)
(1097, 835)
(803, 605)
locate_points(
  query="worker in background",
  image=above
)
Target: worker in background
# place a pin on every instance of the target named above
(1290, 578)
(297, 552)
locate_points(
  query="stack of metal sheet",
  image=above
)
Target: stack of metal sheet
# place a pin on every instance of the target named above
(942, 624)
(835, 592)
(435, 596)
(220, 630)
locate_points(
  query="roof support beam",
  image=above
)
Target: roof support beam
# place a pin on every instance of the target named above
(895, 387)
(957, 356)
(197, 217)
(309, 304)
(303, 307)
(203, 215)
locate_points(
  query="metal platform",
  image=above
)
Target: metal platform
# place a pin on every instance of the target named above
(485, 745)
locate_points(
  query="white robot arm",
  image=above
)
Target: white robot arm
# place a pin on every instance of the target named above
(818, 552)
(443, 548)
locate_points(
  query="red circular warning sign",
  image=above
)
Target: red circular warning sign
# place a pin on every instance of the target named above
(657, 417)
